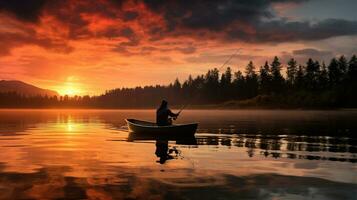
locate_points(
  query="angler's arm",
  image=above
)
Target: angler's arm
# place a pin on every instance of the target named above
(171, 114)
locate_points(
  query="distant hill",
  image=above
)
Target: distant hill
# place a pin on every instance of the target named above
(24, 88)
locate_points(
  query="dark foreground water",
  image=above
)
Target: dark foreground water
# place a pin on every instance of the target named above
(250, 154)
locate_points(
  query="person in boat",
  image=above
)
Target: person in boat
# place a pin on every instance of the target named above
(163, 114)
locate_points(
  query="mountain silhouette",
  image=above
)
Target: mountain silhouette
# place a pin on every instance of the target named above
(24, 88)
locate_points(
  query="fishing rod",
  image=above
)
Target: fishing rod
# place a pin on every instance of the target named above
(219, 69)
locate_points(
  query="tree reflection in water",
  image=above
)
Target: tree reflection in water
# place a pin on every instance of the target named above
(275, 146)
(341, 149)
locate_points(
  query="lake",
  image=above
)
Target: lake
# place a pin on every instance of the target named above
(240, 154)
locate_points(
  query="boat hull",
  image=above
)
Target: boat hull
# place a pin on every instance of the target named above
(149, 128)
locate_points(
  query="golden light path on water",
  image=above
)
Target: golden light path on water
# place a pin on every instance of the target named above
(51, 148)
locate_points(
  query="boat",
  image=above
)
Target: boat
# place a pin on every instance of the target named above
(150, 128)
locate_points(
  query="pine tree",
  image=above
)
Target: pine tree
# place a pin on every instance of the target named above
(342, 64)
(177, 84)
(317, 72)
(251, 80)
(225, 84)
(228, 74)
(352, 69)
(277, 78)
(323, 77)
(312, 74)
(265, 79)
(334, 72)
(226, 77)
(351, 83)
(250, 70)
(291, 71)
(239, 85)
(300, 74)
(211, 85)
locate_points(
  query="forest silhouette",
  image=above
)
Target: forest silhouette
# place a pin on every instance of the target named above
(312, 85)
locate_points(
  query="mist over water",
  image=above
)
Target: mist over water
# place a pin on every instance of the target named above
(259, 154)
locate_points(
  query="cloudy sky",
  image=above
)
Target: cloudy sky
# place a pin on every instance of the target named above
(89, 46)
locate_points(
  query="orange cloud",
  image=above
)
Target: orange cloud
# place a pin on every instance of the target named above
(104, 44)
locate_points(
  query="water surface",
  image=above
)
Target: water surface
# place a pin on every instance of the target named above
(246, 154)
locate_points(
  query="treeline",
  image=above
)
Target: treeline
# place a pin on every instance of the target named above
(15, 100)
(314, 85)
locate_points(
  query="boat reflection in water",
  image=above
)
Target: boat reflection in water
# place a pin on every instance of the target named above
(163, 151)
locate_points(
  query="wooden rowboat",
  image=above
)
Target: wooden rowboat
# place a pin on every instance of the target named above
(144, 127)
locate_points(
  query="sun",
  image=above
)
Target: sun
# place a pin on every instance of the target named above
(70, 87)
(70, 91)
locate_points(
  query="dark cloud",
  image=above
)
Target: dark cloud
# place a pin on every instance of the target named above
(127, 32)
(284, 31)
(114, 32)
(212, 14)
(302, 55)
(14, 33)
(76, 16)
(186, 50)
(312, 52)
(249, 21)
(26, 10)
(288, 1)
(132, 41)
(209, 14)
(10, 40)
(219, 59)
(70, 15)
(253, 21)
(122, 50)
(130, 15)
(165, 59)
(163, 48)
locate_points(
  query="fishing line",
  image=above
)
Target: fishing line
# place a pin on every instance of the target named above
(219, 69)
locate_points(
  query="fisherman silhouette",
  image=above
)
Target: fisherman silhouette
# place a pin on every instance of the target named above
(163, 113)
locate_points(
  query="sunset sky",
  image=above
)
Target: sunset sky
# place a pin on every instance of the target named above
(89, 46)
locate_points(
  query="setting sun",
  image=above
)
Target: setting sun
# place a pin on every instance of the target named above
(69, 89)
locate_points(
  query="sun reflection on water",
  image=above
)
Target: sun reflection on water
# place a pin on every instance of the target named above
(70, 125)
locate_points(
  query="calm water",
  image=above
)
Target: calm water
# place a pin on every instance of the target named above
(81, 154)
